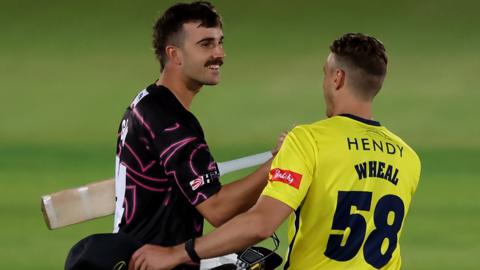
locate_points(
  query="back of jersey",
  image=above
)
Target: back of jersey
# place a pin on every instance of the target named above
(356, 189)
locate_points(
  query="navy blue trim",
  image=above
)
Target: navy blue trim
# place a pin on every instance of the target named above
(363, 120)
(290, 247)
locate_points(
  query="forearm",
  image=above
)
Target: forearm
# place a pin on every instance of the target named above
(239, 196)
(243, 231)
(235, 235)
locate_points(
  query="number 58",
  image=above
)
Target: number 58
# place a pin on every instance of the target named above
(343, 219)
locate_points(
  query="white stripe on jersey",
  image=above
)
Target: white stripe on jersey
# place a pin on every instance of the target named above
(139, 97)
(120, 183)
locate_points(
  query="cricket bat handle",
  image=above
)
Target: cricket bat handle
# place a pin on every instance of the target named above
(244, 162)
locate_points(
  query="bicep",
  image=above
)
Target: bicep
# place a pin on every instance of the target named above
(187, 161)
(272, 212)
(209, 210)
(292, 170)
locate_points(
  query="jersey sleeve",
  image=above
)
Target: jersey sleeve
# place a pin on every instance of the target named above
(186, 159)
(292, 169)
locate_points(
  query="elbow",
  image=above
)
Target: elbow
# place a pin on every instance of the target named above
(215, 219)
(215, 222)
(214, 211)
(264, 233)
(261, 227)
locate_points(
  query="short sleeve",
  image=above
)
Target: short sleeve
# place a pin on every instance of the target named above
(292, 169)
(186, 158)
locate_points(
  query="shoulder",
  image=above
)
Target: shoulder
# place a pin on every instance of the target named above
(301, 139)
(315, 130)
(153, 104)
(151, 110)
(302, 133)
(150, 99)
(408, 149)
(332, 123)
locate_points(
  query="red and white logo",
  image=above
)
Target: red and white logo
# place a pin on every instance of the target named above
(286, 176)
(197, 182)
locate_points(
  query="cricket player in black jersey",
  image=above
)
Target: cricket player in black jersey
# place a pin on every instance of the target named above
(167, 181)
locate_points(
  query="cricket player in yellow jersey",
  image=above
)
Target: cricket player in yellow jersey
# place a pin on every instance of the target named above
(348, 180)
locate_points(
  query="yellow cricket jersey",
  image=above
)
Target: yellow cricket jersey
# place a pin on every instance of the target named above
(350, 182)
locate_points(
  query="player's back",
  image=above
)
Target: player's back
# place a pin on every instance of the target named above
(363, 179)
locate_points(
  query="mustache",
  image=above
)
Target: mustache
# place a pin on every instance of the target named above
(217, 61)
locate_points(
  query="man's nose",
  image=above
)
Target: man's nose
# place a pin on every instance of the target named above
(219, 52)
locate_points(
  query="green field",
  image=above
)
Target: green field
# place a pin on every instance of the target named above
(68, 69)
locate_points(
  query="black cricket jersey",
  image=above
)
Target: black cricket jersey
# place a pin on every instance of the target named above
(164, 169)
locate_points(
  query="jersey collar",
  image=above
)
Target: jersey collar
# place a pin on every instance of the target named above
(360, 119)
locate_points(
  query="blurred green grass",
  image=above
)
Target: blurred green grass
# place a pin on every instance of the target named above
(68, 70)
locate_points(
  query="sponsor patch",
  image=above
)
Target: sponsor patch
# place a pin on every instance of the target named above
(197, 182)
(204, 179)
(285, 176)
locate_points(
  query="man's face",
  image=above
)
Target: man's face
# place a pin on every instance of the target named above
(328, 85)
(202, 53)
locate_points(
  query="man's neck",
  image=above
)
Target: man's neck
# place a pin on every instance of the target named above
(183, 89)
(360, 109)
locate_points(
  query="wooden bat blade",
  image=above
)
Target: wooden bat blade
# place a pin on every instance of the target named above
(76, 205)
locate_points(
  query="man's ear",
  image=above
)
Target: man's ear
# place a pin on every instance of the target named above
(174, 55)
(339, 79)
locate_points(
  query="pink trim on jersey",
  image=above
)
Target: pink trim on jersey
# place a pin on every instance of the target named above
(145, 186)
(129, 217)
(145, 142)
(168, 196)
(179, 145)
(181, 142)
(191, 157)
(143, 168)
(140, 118)
(178, 184)
(196, 226)
(143, 175)
(212, 166)
(172, 128)
(199, 194)
(127, 211)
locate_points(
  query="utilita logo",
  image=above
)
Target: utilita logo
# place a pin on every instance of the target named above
(285, 176)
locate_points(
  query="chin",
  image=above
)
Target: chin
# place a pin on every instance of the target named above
(211, 82)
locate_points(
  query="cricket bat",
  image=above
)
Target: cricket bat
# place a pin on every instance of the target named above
(97, 199)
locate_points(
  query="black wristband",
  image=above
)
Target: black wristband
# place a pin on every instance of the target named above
(190, 249)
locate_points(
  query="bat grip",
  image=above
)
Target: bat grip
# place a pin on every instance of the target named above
(243, 163)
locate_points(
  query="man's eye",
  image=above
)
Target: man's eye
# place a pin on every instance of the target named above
(206, 45)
